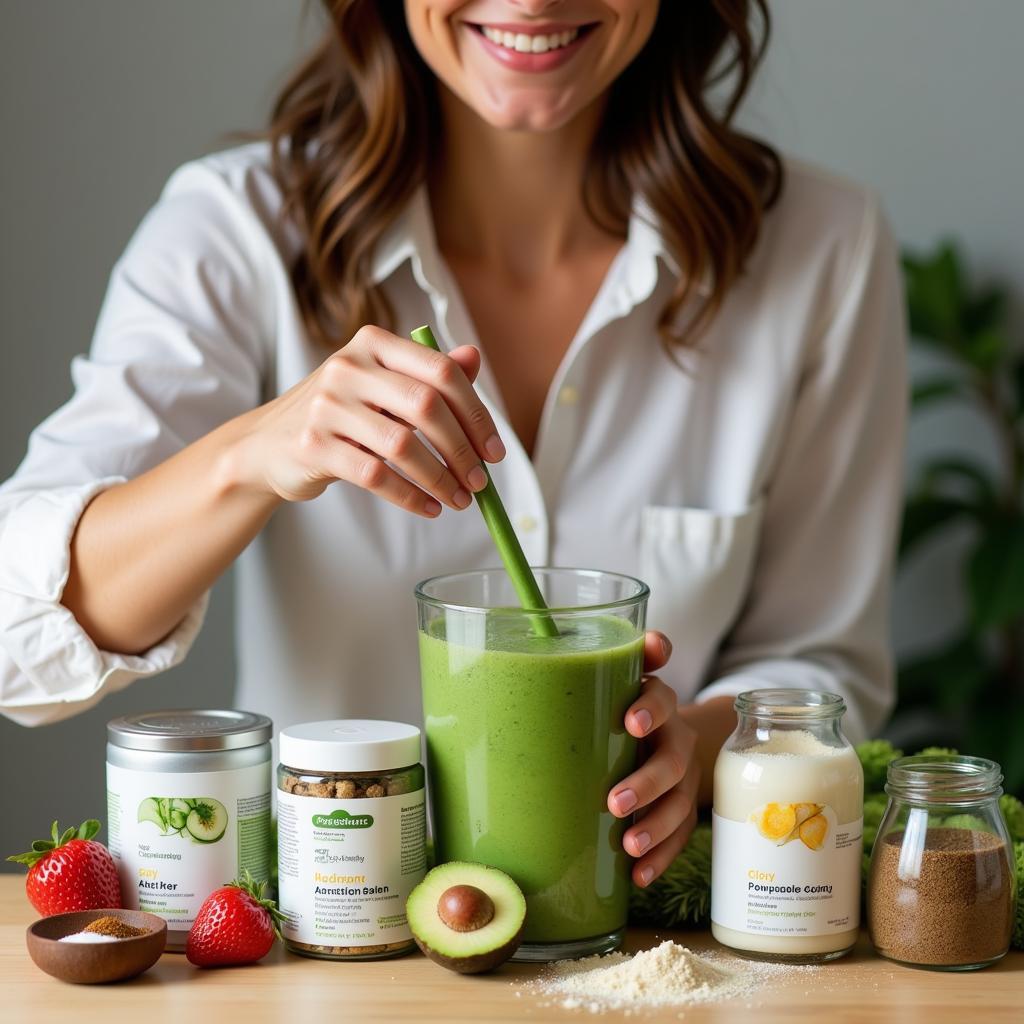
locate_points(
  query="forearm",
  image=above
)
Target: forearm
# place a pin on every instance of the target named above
(145, 551)
(712, 721)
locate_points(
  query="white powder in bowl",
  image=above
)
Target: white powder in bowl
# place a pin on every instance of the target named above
(89, 937)
(667, 975)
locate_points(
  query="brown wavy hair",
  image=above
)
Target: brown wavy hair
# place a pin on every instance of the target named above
(351, 129)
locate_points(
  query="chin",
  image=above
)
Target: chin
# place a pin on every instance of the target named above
(524, 113)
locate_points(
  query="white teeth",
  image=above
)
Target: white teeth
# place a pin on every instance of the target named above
(523, 43)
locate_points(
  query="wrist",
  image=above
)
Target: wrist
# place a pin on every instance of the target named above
(236, 471)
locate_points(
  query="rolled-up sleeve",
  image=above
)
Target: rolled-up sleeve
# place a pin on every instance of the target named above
(180, 347)
(817, 613)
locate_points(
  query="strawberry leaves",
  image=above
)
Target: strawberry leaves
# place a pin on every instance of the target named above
(254, 890)
(41, 847)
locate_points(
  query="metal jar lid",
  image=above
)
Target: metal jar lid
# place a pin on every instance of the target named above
(184, 729)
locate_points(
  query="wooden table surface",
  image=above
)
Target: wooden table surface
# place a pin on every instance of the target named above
(294, 990)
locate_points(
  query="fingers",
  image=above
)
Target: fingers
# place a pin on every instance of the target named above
(657, 650)
(648, 868)
(672, 751)
(662, 818)
(437, 375)
(652, 709)
(425, 408)
(345, 461)
(468, 358)
(399, 445)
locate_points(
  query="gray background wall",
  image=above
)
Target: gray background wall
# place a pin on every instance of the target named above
(99, 101)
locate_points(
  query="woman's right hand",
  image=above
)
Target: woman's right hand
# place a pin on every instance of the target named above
(355, 418)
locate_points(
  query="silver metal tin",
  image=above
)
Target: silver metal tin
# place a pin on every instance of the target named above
(182, 740)
(184, 730)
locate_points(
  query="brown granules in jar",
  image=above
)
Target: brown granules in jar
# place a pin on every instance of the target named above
(346, 789)
(114, 927)
(956, 911)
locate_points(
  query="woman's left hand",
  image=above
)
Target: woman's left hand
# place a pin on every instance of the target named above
(664, 788)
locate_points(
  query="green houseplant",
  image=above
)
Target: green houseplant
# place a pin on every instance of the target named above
(975, 679)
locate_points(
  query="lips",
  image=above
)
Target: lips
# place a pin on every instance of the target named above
(532, 48)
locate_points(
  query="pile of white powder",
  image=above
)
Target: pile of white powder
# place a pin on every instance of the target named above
(667, 975)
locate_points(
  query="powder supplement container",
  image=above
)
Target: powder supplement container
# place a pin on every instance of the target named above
(941, 892)
(787, 830)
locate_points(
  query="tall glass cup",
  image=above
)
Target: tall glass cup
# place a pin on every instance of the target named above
(525, 737)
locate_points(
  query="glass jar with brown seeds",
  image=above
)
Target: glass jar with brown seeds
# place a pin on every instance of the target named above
(351, 837)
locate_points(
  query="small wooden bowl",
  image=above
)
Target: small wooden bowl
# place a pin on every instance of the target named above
(91, 963)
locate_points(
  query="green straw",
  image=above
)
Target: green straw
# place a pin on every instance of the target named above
(504, 537)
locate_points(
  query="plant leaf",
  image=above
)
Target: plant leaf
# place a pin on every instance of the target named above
(67, 835)
(986, 310)
(995, 575)
(924, 514)
(935, 389)
(951, 677)
(994, 731)
(937, 472)
(986, 349)
(934, 288)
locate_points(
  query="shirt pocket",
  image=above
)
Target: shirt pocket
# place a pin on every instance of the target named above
(698, 565)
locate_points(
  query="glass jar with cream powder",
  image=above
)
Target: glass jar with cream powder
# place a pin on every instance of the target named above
(787, 826)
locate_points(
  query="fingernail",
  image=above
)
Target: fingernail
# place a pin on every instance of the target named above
(625, 801)
(666, 648)
(643, 721)
(641, 841)
(476, 478)
(431, 507)
(494, 448)
(461, 498)
(646, 874)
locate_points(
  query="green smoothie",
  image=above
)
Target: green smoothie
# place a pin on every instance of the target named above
(525, 737)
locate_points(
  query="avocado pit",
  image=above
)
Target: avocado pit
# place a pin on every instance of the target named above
(465, 908)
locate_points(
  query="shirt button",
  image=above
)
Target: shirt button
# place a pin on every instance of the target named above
(527, 524)
(568, 395)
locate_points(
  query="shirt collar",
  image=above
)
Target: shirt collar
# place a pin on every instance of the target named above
(411, 238)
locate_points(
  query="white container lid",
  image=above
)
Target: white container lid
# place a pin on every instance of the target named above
(349, 745)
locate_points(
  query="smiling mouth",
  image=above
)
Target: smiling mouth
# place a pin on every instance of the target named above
(534, 41)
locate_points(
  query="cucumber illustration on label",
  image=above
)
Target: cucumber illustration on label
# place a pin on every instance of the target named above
(201, 819)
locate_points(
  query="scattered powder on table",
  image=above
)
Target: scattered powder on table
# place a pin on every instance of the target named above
(667, 975)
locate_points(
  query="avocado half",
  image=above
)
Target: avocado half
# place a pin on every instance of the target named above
(467, 917)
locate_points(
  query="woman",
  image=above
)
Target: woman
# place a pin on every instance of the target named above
(686, 369)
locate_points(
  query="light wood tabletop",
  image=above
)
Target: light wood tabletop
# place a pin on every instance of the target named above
(286, 988)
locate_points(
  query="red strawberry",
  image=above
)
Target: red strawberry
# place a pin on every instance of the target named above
(70, 872)
(235, 925)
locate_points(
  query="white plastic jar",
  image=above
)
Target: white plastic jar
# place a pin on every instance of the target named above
(188, 807)
(787, 830)
(351, 837)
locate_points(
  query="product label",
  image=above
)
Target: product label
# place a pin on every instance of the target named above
(177, 836)
(346, 867)
(789, 870)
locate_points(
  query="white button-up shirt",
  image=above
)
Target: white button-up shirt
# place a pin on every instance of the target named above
(753, 482)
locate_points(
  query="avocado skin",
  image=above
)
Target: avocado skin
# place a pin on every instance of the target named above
(477, 964)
